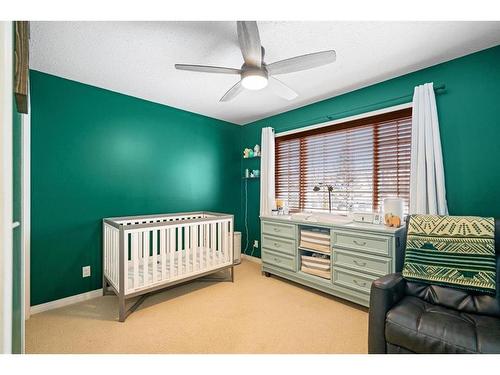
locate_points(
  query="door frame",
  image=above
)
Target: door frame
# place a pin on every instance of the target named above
(6, 189)
(26, 214)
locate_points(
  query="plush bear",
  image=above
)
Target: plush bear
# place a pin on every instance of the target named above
(392, 220)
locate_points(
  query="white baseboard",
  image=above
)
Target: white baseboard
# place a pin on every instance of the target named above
(93, 294)
(251, 258)
(65, 301)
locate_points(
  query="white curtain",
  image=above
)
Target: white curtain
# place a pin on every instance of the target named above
(427, 190)
(267, 201)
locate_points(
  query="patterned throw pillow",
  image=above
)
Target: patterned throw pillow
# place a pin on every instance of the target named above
(456, 251)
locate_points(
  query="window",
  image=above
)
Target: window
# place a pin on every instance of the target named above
(364, 160)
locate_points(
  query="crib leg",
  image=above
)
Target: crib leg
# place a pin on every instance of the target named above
(123, 312)
(105, 288)
(104, 285)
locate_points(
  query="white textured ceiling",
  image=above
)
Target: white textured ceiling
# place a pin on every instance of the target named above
(137, 58)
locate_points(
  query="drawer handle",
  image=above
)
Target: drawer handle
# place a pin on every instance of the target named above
(361, 264)
(359, 243)
(277, 229)
(276, 244)
(362, 284)
(277, 260)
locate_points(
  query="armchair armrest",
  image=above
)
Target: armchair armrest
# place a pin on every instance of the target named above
(385, 293)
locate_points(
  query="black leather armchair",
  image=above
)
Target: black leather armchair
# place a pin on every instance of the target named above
(413, 317)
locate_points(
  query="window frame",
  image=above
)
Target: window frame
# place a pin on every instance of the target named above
(370, 118)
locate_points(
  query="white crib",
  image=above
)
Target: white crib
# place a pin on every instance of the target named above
(142, 254)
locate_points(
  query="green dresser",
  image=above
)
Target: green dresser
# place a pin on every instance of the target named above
(359, 254)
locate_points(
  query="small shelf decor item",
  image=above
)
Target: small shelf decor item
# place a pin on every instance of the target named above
(251, 174)
(256, 151)
(249, 153)
(280, 204)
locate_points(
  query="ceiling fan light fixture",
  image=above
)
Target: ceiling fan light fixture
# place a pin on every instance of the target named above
(254, 79)
(255, 73)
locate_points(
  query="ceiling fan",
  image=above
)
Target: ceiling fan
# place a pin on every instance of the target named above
(255, 73)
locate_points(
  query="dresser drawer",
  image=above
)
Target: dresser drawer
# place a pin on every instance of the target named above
(352, 280)
(357, 261)
(278, 260)
(279, 244)
(279, 229)
(367, 242)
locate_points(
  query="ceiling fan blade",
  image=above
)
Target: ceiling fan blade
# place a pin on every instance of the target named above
(207, 69)
(282, 90)
(232, 92)
(303, 62)
(248, 36)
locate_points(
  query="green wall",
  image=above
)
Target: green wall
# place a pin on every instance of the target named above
(96, 154)
(469, 122)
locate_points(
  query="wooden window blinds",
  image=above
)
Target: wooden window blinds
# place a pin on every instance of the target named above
(364, 160)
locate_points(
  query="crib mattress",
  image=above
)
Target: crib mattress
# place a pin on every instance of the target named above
(205, 260)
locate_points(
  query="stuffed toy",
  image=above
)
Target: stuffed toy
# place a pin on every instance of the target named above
(392, 220)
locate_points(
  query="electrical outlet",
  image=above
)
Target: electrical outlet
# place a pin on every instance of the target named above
(255, 243)
(86, 271)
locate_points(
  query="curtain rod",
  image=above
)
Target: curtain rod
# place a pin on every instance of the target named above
(335, 116)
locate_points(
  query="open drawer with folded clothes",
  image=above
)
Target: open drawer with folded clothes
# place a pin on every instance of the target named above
(315, 239)
(316, 264)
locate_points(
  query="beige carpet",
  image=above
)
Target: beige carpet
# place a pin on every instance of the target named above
(255, 314)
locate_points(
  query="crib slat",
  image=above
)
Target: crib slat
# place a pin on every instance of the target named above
(219, 242)
(207, 246)
(125, 254)
(203, 246)
(110, 255)
(212, 244)
(106, 251)
(179, 251)
(117, 264)
(185, 258)
(135, 257)
(105, 265)
(163, 255)
(228, 240)
(155, 256)
(171, 250)
(140, 252)
(195, 246)
(224, 241)
(113, 255)
(145, 247)
(231, 240)
(189, 249)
